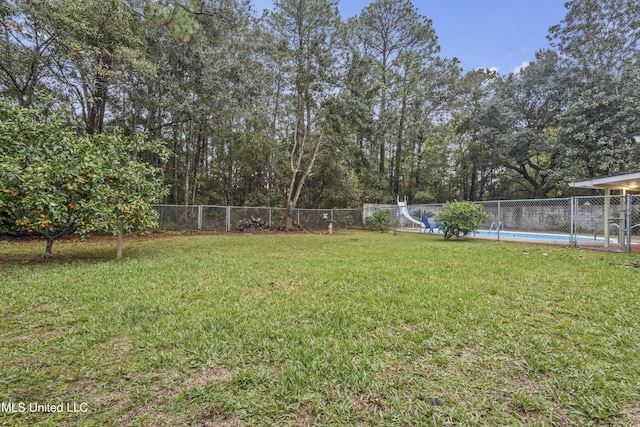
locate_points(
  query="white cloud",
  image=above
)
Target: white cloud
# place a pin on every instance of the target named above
(520, 67)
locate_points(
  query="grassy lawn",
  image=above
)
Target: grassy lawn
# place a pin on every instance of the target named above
(358, 328)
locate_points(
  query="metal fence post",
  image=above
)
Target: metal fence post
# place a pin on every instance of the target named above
(228, 219)
(628, 223)
(269, 217)
(499, 221)
(573, 241)
(199, 217)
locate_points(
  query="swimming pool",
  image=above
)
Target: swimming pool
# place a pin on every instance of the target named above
(518, 235)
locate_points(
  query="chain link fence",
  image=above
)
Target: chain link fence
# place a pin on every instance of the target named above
(596, 222)
(537, 215)
(229, 218)
(176, 217)
(635, 216)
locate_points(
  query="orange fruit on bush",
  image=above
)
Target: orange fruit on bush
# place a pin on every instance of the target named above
(70, 188)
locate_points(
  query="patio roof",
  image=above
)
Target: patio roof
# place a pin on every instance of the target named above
(630, 181)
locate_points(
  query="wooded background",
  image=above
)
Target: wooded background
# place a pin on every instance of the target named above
(299, 108)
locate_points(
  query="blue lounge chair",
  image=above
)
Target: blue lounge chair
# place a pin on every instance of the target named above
(427, 224)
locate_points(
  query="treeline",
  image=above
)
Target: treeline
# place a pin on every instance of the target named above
(297, 107)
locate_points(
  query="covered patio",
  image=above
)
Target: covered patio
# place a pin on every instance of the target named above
(622, 185)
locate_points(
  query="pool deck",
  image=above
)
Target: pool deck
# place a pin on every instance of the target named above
(594, 245)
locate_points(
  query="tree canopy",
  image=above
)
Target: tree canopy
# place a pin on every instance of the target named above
(298, 107)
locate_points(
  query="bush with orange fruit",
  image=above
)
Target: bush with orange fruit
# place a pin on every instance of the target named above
(73, 183)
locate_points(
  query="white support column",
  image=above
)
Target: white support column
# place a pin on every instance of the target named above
(622, 231)
(629, 223)
(607, 209)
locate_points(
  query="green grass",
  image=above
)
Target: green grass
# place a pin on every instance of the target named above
(357, 328)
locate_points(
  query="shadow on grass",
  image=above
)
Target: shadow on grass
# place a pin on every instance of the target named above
(94, 249)
(60, 257)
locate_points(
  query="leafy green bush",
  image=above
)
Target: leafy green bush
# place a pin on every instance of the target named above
(381, 220)
(460, 218)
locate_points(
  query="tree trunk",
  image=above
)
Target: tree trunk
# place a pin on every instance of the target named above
(47, 249)
(187, 172)
(288, 222)
(98, 102)
(299, 176)
(472, 184)
(197, 162)
(119, 241)
(382, 116)
(395, 181)
(175, 158)
(272, 161)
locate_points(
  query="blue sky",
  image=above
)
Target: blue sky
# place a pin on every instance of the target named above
(499, 34)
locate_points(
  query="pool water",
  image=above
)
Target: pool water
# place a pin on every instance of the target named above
(535, 236)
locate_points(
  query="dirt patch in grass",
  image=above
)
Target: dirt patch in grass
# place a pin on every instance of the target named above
(163, 386)
(367, 405)
(468, 356)
(307, 416)
(24, 363)
(146, 408)
(41, 322)
(40, 307)
(222, 421)
(633, 415)
(101, 400)
(144, 415)
(114, 350)
(207, 377)
(43, 334)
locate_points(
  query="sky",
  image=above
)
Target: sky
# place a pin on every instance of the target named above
(494, 34)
